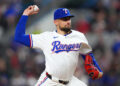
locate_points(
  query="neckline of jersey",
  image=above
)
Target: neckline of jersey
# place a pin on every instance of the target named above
(65, 34)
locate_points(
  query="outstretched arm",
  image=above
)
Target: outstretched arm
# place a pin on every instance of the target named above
(20, 35)
(92, 66)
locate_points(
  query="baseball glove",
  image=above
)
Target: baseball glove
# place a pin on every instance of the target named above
(92, 71)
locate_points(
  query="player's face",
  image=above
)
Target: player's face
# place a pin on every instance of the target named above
(64, 24)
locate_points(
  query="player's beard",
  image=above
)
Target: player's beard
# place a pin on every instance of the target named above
(66, 29)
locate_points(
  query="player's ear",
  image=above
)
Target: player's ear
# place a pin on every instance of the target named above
(55, 22)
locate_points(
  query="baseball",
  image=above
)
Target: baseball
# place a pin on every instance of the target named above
(36, 8)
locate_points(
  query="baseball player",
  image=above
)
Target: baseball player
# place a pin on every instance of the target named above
(61, 49)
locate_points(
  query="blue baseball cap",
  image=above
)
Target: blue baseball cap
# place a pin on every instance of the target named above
(61, 13)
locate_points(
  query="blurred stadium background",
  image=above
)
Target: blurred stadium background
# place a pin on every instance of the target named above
(98, 19)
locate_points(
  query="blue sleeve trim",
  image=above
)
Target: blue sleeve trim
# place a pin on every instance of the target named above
(94, 61)
(20, 32)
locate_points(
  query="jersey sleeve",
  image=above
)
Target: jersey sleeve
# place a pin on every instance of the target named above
(20, 35)
(38, 40)
(84, 45)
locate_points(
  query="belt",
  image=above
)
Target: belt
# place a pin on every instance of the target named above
(60, 81)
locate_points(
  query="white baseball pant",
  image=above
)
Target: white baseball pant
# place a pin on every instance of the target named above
(45, 81)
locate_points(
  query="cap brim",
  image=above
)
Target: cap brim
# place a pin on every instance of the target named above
(66, 16)
(72, 16)
(69, 16)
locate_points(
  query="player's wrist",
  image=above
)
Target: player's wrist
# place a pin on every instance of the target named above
(25, 13)
(100, 75)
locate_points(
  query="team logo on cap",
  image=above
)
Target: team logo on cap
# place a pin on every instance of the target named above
(65, 11)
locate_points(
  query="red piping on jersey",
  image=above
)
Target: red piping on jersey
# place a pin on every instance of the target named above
(43, 81)
(30, 41)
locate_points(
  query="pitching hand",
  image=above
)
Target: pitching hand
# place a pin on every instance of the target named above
(30, 10)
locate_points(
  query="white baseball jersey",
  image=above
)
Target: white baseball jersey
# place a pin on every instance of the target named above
(61, 51)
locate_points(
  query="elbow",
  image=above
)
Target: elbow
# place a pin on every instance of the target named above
(16, 39)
